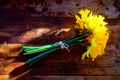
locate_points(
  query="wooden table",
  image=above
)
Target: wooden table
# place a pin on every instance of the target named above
(61, 65)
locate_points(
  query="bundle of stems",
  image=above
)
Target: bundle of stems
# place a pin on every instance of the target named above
(50, 48)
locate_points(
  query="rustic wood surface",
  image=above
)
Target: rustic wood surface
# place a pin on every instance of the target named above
(30, 23)
(57, 66)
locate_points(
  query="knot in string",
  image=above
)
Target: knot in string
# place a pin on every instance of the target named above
(62, 45)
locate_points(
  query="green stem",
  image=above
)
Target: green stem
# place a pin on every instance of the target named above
(51, 47)
(31, 50)
(72, 38)
(75, 39)
(31, 61)
(40, 56)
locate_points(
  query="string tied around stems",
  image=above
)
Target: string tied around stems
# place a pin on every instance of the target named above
(62, 45)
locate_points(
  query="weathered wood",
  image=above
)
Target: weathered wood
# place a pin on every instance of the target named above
(57, 77)
(29, 23)
(40, 31)
(47, 26)
(62, 62)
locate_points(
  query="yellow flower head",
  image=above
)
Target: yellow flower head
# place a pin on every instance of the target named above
(95, 24)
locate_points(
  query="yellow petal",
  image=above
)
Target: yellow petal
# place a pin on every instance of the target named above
(96, 25)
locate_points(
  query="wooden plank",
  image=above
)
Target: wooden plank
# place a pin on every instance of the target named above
(61, 68)
(63, 62)
(38, 77)
(30, 30)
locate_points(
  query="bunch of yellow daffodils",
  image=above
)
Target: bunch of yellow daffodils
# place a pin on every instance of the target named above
(96, 25)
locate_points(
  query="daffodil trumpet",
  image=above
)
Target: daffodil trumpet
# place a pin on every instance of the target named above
(90, 27)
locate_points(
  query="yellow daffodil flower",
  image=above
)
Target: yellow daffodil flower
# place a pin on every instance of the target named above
(97, 26)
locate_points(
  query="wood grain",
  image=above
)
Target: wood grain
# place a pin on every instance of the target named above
(45, 30)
